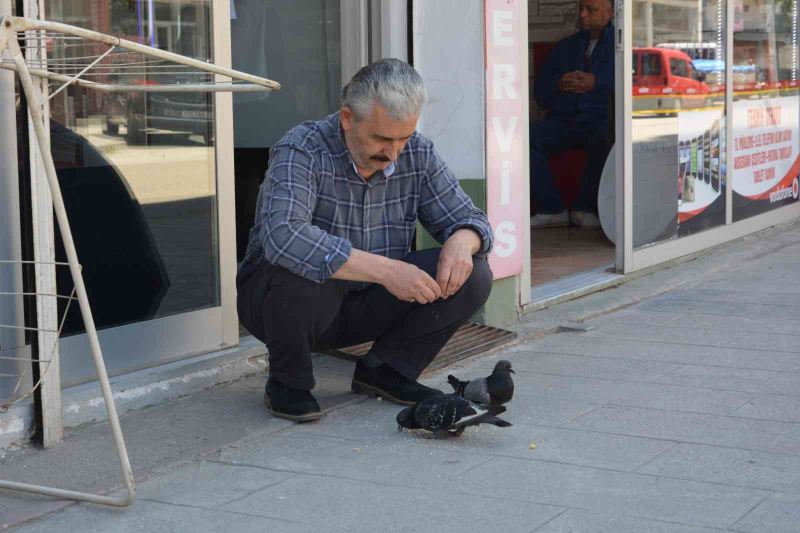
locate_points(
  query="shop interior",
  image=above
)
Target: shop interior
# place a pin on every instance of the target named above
(567, 257)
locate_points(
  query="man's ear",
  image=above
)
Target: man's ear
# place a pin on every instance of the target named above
(346, 117)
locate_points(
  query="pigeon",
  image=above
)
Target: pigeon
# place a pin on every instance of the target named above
(448, 414)
(496, 389)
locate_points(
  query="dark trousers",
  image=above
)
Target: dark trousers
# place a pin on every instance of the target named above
(294, 316)
(552, 136)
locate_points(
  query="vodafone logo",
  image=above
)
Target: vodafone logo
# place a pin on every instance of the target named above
(795, 189)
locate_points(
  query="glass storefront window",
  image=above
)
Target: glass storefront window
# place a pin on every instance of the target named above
(679, 175)
(138, 169)
(766, 108)
(298, 43)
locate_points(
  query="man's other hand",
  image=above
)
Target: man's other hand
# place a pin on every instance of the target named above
(455, 260)
(411, 284)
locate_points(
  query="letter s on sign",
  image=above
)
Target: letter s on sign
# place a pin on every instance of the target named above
(505, 240)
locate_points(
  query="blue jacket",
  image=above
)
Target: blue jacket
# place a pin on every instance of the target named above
(567, 56)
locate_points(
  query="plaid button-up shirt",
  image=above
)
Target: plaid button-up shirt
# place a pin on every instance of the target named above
(313, 207)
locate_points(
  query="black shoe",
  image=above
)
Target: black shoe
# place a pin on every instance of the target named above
(387, 383)
(292, 404)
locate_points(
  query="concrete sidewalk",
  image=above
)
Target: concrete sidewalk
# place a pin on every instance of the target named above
(677, 411)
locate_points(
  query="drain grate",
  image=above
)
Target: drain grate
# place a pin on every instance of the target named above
(469, 340)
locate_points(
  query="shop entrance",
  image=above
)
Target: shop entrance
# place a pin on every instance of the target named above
(569, 247)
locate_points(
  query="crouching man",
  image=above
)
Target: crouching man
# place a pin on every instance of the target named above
(329, 263)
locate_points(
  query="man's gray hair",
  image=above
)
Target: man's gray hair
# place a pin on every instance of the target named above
(392, 83)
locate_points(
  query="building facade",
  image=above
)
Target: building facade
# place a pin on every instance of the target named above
(161, 191)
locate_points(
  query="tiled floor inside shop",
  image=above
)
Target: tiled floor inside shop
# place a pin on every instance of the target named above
(560, 252)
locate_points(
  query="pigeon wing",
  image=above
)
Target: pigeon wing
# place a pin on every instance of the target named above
(477, 391)
(442, 411)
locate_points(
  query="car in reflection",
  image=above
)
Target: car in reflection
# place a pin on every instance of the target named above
(145, 113)
(665, 81)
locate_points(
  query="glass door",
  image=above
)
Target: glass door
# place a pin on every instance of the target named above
(711, 145)
(139, 174)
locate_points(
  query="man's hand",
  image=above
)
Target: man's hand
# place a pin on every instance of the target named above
(455, 260)
(411, 284)
(577, 82)
(406, 281)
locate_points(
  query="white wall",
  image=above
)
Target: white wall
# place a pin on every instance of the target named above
(448, 52)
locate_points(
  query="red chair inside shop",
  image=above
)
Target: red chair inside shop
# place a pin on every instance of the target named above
(568, 166)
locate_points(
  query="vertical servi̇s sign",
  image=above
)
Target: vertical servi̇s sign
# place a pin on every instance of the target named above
(505, 165)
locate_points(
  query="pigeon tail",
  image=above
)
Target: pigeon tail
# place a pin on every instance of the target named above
(497, 421)
(458, 385)
(489, 416)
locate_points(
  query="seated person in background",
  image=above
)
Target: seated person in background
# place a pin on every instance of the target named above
(574, 87)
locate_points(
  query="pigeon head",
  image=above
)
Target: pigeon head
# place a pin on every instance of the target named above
(405, 419)
(503, 367)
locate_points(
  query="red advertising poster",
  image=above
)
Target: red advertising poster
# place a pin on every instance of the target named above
(506, 51)
(766, 155)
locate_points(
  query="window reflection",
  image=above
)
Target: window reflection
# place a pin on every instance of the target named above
(679, 119)
(138, 169)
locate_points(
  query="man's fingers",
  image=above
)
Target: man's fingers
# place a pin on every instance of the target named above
(425, 295)
(443, 271)
(457, 280)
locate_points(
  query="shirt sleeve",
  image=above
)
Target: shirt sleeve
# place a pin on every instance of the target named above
(444, 207)
(285, 230)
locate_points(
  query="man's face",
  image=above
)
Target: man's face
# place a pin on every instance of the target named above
(595, 14)
(376, 140)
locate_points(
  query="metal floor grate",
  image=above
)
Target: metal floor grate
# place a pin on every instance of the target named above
(469, 340)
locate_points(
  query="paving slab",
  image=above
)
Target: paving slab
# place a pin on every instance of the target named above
(742, 293)
(581, 521)
(154, 516)
(364, 506)
(668, 333)
(736, 323)
(585, 366)
(745, 433)
(747, 468)
(208, 484)
(402, 461)
(784, 342)
(688, 502)
(637, 316)
(742, 309)
(780, 513)
(669, 352)
(738, 379)
(769, 407)
(632, 393)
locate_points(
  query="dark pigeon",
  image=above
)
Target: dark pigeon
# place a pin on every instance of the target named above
(496, 389)
(448, 414)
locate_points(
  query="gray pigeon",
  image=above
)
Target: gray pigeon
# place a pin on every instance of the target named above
(496, 389)
(448, 414)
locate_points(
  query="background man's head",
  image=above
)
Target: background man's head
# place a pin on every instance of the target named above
(380, 108)
(595, 14)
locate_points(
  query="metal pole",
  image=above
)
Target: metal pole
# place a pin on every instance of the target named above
(91, 332)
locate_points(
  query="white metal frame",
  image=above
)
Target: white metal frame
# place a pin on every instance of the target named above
(9, 29)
